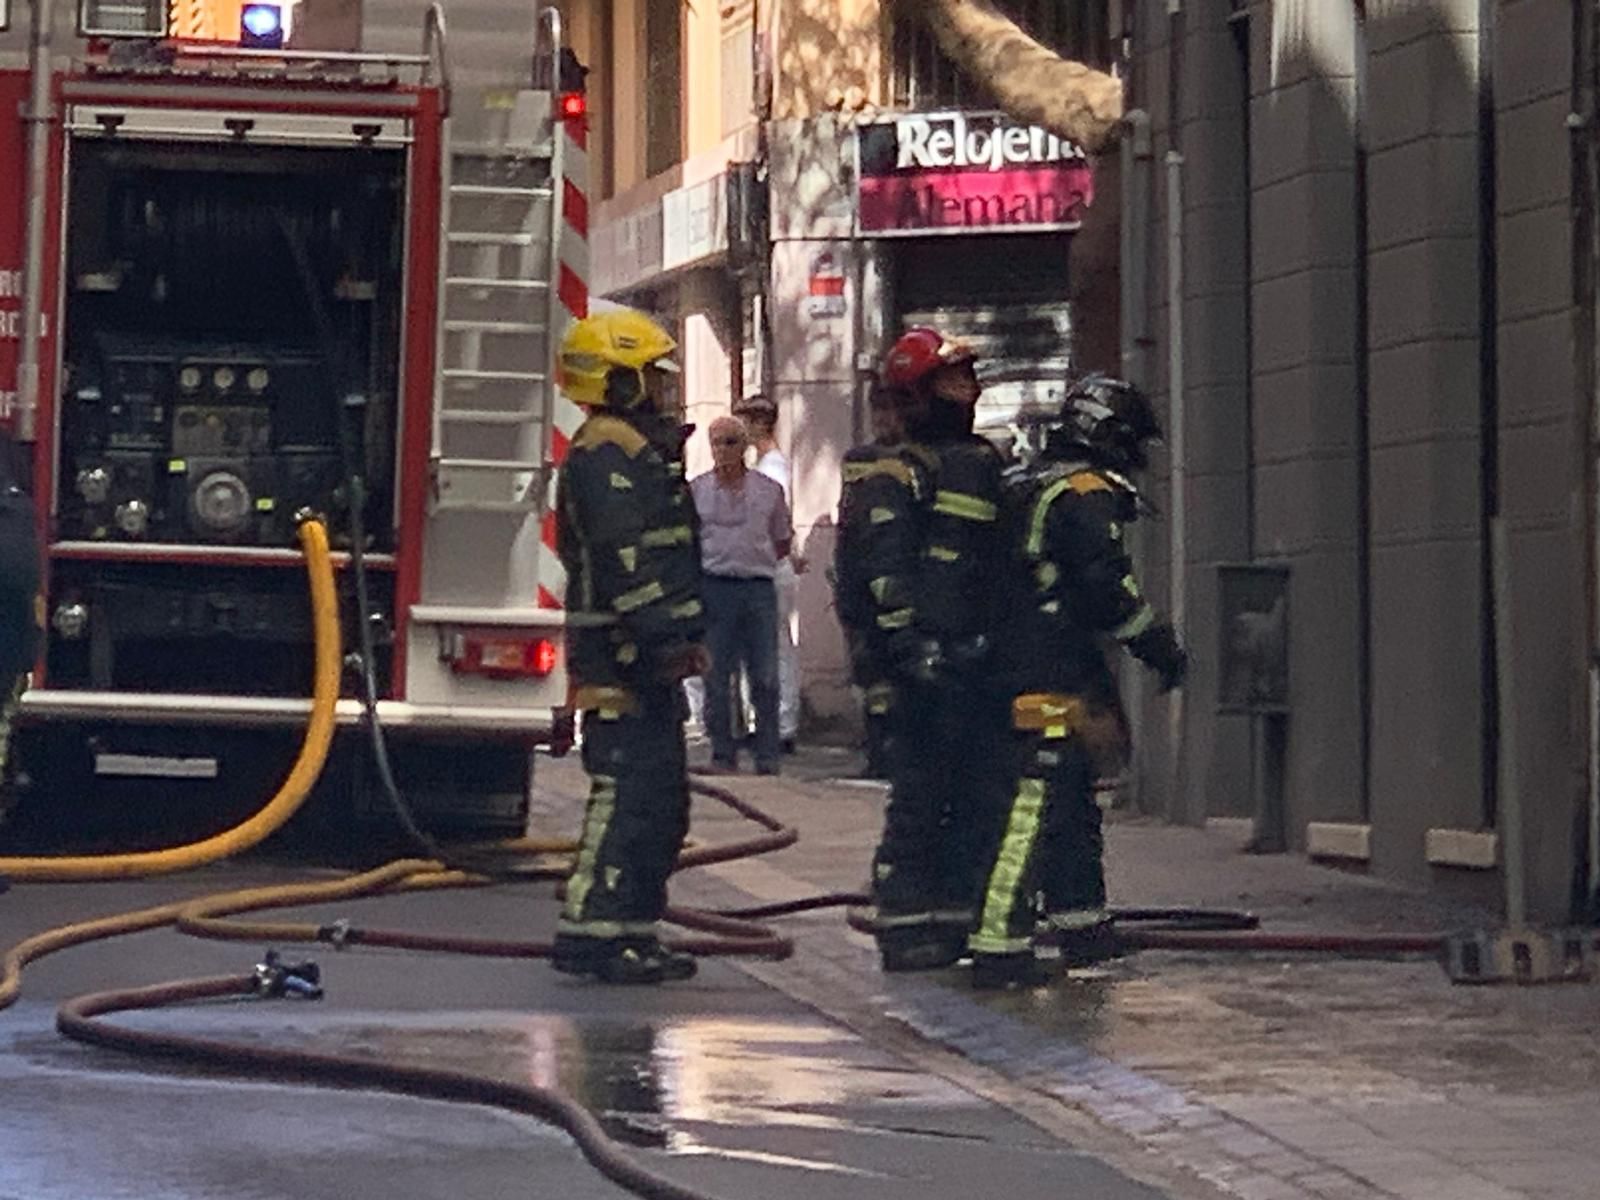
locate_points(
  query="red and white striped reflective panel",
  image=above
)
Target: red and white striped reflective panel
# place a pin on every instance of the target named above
(572, 287)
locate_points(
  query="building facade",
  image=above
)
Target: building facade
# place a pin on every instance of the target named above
(833, 180)
(1364, 266)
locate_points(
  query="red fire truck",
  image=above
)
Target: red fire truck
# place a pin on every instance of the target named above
(271, 280)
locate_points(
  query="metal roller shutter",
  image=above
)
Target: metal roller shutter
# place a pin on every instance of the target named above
(1007, 295)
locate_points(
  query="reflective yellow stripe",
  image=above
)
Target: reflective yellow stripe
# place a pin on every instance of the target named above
(1135, 625)
(1022, 830)
(630, 558)
(855, 472)
(1077, 918)
(606, 929)
(607, 701)
(968, 508)
(596, 823)
(639, 597)
(880, 587)
(1041, 513)
(901, 618)
(944, 554)
(621, 482)
(882, 516)
(689, 608)
(676, 535)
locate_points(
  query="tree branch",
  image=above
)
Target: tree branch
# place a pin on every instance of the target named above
(1032, 83)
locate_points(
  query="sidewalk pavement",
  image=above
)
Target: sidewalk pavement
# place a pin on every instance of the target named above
(1264, 1076)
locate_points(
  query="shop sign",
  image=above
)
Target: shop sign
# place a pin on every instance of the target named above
(825, 288)
(921, 173)
(627, 251)
(694, 223)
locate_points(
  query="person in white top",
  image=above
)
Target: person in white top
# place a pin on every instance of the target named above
(760, 416)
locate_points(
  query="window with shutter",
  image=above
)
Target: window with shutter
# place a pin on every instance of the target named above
(738, 67)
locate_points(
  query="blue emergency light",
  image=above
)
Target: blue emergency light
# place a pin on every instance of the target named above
(261, 26)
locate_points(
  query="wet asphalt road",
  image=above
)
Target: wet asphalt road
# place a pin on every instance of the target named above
(722, 1083)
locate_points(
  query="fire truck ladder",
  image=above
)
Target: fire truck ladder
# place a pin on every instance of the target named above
(494, 395)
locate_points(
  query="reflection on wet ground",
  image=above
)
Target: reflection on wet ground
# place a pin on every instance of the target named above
(650, 1082)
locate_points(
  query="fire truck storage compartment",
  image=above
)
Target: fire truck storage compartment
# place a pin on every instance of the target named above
(198, 628)
(225, 305)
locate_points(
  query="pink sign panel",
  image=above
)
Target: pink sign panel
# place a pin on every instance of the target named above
(974, 201)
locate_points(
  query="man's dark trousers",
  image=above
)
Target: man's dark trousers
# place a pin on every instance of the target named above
(742, 629)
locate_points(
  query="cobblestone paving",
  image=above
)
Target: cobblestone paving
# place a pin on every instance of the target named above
(1261, 1077)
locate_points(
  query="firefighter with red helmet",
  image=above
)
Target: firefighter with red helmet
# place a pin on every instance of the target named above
(928, 574)
(1067, 587)
(628, 536)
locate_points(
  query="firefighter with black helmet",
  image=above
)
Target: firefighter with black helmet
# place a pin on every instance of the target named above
(1068, 587)
(877, 540)
(931, 589)
(627, 534)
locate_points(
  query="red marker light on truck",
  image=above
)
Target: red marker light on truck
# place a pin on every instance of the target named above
(574, 106)
(504, 656)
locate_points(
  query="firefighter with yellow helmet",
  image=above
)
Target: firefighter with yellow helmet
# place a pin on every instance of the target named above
(627, 535)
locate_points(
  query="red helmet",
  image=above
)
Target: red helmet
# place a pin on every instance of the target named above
(920, 352)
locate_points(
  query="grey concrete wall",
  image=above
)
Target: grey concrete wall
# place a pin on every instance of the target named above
(1217, 379)
(1542, 435)
(1302, 444)
(1426, 553)
(1300, 504)
(1305, 435)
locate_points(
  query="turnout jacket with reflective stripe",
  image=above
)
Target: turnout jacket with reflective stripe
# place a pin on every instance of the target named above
(1070, 582)
(875, 558)
(961, 548)
(628, 536)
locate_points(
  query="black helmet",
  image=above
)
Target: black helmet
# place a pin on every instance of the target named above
(1108, 419)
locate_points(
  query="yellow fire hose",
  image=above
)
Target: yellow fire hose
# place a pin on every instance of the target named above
(406, 875)
(290, 796)
(206, 917)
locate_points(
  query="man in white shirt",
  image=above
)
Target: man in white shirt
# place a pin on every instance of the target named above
(760, 416)
(744, 535)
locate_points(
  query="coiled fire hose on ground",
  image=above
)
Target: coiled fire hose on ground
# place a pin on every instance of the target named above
(734, 932)
(290, 796)
(206, 917)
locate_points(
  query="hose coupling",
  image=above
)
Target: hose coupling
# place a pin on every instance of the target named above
(276, 979)
(304, 515)
(336, 934)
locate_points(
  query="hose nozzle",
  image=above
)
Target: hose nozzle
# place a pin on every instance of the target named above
(276, 979)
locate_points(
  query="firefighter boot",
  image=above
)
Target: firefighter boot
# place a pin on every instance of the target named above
(620, 960)
(644, 960)
(920, 948)
(1090, 945)
(994, 972)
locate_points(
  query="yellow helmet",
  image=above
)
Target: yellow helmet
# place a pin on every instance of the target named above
(623, 339)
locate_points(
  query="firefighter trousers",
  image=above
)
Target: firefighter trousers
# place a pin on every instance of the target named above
(943, 788)
(1048, 847)
(634, 826)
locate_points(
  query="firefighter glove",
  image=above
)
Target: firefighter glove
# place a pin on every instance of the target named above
(1158, 648)
(917, 658)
